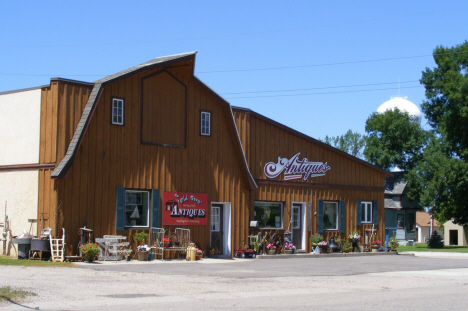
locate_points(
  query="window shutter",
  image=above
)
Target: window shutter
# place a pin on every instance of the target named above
(320, 216)
(342, 216)
(358, 212)
(375, 208)
(155, 208)
(120, 214)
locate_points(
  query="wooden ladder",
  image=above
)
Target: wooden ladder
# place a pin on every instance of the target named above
(56, 248)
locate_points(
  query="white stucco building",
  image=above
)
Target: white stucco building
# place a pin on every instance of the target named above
(19, 142)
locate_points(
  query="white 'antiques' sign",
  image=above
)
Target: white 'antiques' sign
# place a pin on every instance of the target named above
(293, 168)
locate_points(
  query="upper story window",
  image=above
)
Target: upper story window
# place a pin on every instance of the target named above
(366, 212)
(205, 123)
(117, 111)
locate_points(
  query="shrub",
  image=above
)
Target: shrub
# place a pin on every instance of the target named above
(435, 241)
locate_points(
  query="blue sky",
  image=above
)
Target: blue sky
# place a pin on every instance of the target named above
(319, 67)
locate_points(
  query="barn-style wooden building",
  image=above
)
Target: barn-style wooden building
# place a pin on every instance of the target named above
(153, 146)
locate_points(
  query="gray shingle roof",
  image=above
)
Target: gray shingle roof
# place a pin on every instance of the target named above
(395, 184)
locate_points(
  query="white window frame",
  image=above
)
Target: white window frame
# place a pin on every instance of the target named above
(366, 214)
(120, 111)
(337, 215)
(205, 123)
(148, 208)
(215, 218)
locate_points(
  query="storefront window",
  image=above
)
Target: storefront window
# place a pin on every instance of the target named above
(330, 216)
(269, 214)
(136, 208)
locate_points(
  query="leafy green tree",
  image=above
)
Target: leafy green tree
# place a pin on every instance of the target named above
(436, 161)
(393, 140)
(352, 143)
(441, 181)
(446, 107)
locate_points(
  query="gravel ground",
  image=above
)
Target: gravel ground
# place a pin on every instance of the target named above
(112, 288)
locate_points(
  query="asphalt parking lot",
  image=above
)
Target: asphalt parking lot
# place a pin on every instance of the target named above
(325, 283)
(291, 267)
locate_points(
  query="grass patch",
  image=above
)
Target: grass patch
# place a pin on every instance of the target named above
(422, 247)
(8, 261)
(9, 294)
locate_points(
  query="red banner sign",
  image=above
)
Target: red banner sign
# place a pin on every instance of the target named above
(181, 208)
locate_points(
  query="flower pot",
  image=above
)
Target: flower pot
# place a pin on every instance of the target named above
(271, 252)
(164, 244)
(375, 248)
(323, 249)
(143, 255)
(288, 251)
(198, 257)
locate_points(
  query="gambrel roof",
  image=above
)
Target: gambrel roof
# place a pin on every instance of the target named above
(65, 164)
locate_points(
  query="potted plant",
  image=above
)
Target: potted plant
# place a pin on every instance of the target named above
(375, 245)
(165, 242)
(316, 239)
(141, 236)
(354, 237)
(346, 247)
(288, 248)
(198, 254)
(90, 251)
(271, 249)
(393, 243)
(143, 252)
(323, 245)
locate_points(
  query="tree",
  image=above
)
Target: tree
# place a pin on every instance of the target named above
(441, 178)
(393, 140)
(437, 160)
(441, 181)
(351, 143)
(446, 107)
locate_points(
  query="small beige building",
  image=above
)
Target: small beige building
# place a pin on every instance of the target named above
(423, 227)
(455, 234)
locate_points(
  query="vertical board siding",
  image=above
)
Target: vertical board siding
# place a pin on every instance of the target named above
(268, 141)
(112, 156)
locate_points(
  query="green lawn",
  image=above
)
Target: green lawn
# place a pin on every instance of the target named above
(8, 261)
(422, 247)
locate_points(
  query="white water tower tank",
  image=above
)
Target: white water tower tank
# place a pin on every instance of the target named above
(403, 105)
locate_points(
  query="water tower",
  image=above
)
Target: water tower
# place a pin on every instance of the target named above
(403, 105)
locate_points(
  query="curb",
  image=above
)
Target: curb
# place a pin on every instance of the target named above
(332, 255)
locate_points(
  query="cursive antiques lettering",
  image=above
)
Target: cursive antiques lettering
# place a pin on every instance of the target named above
(295, 168)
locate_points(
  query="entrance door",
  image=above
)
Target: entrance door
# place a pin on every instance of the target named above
(453, 235)
(217, 226)
(296, 219)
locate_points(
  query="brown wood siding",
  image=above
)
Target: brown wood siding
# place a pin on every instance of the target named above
(111, 156)
(62, 104)
(163, 110)
(347, 180)
(46, 202)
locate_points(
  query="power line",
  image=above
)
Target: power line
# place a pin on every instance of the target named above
(323, 93)
(328, 64)
(318, 88)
